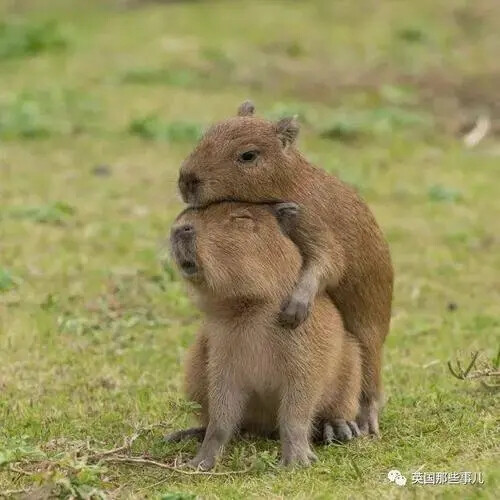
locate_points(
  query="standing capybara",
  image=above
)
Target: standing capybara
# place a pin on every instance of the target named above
(253, 160)
(243, 371)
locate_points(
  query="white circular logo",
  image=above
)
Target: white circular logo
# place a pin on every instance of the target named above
(395, 476)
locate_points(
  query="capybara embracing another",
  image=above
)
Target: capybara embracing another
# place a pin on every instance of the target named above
(243, 370)
(249, 159)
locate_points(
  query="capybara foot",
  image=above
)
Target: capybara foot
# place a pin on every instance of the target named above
(340, 431)
(298, 456)
(367, 418)
(202, 462)
(294, 311)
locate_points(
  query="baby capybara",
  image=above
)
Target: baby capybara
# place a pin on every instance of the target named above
(243, 371)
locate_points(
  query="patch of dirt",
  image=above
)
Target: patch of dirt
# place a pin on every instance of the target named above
(454, 100)
(458, 101)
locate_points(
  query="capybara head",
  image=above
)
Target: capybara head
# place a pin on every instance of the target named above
(237, 250)
(243, 158)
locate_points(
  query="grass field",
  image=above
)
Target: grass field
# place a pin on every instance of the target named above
(99, 103)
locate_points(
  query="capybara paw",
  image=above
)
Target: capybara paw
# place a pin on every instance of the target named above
(300, 457)
(367, 419)
(294, 311)
(202, 462)
(340, 431)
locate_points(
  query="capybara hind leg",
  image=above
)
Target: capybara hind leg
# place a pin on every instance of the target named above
(295, 417)
(367, 418)
(368, 415)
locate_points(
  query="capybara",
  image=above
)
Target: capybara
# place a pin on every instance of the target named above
(242, 369)
(249, 159)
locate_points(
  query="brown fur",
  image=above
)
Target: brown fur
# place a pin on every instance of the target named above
(342, 246)
(243, 370)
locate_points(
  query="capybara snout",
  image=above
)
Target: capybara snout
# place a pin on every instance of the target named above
(183, 249)
(189, 185)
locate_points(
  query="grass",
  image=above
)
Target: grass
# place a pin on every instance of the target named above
(153, 127)
(42, 113)
(94, 324)
(23, 39)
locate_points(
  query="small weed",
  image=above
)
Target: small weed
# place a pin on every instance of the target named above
(19, 38)
(7, 282)
(23, 117)
(412, 34)
(441, 193)
(153, 127)
(161, 76)
(344, 128)
(291, 48)
(45, 113)
(397, 95)
(17, 449)
(56, 213)
(349, 126)
(217, 57)
(177, 496)
(213, 72)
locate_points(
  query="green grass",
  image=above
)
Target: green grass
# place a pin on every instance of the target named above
(99, 104)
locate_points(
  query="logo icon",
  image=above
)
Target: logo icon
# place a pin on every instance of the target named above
(395, 476)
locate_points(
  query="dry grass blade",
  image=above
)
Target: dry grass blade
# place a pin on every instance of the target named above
(11, 493)
(23, 472)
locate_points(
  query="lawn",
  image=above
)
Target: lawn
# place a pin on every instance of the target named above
(99, 103)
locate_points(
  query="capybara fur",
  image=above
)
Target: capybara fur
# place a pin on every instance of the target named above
(243, 370)
(250, 159)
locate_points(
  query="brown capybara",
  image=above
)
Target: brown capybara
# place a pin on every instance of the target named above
(243, 371)
(253, 160)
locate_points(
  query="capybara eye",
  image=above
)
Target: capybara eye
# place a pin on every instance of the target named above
(248, 156)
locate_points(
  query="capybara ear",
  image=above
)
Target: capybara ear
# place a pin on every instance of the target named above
(246, 108)
(286, 213)
(288, 130)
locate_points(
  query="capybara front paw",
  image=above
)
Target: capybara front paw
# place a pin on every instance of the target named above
(301, 457)
(202, 462)
(294, 311)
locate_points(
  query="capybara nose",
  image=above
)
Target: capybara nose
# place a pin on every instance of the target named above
(184, 232)
(188, 186)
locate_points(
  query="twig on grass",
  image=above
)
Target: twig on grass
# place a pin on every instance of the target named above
(115, 455)
(471, 372)
(119, 454)
(148, 461)
(127, 442)
(15, 469)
